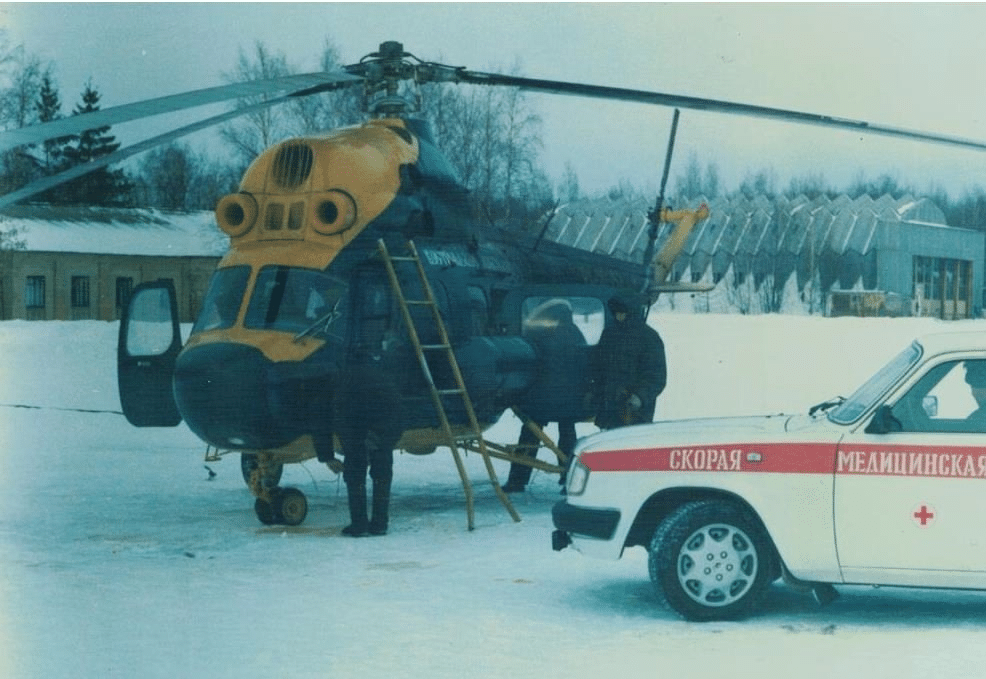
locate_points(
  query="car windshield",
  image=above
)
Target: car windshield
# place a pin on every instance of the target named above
(866, 396)
(222, 300)
(296, 300)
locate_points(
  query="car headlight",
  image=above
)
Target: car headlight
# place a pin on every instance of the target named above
(578, 477)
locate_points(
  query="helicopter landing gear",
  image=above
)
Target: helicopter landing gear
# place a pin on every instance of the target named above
(287, 506)
(273, 505)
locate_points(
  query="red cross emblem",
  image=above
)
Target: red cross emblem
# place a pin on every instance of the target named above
(924, 515)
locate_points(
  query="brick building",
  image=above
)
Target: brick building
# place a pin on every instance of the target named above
(81, 263)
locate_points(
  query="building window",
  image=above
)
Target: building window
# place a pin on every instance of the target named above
(124, 286)
(80, 292)
(34, 292)
(942, 287)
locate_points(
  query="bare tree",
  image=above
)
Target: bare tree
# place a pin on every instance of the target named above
(250, 134)
(20, 84)
(492, 136)
(569, 190)
(176, 177)
(167, 175)
(311, 115)
(760, 183)
(693, 182)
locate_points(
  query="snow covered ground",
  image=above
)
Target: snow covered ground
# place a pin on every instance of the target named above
(120, 558)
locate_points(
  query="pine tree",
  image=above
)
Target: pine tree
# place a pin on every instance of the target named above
(49, 108)
(103, 186)
(51, 154)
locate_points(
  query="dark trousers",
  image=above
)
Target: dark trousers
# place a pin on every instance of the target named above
(529, 444)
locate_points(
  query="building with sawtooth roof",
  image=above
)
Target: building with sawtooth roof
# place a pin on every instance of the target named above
(838, 256)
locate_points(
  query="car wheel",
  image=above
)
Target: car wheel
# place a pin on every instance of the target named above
(711, 560)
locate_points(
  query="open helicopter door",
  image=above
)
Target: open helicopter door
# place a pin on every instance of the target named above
(149, 342)
(563, 322)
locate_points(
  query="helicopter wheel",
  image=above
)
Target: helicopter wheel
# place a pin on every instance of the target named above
(265, 512)
(292, 506)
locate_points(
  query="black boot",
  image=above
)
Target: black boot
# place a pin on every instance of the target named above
(381, 508)
(359, 526)
(517, 479)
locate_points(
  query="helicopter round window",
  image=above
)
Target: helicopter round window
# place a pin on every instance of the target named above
(333, 212)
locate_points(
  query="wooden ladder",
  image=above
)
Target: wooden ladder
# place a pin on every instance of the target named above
(473, 439)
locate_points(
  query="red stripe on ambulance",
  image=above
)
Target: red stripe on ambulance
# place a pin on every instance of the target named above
(798, 458)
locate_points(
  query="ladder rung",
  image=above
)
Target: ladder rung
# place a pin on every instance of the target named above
(435, 347)
(450, 392)
(419, 302)
(397, 258)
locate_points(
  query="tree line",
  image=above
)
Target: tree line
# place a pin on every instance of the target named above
(492, 137)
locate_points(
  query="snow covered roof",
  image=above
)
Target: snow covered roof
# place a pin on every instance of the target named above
(115, 231)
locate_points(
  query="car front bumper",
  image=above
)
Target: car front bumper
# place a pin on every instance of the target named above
(589, 522)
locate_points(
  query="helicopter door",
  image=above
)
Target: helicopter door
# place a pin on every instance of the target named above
(149, 342)
(562, 323)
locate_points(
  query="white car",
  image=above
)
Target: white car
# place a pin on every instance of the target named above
(886, 487)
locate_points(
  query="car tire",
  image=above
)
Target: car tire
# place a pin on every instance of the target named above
(711, 560)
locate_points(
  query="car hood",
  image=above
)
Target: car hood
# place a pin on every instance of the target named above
(704, 431)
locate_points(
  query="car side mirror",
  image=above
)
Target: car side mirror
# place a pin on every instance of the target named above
(930, 405)
(884, 422)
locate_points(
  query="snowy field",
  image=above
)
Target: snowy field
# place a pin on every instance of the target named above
(120, 558)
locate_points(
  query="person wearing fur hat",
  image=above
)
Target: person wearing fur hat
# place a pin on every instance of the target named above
(629, 368)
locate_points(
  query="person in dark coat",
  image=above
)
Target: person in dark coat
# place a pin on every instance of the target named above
(557, 392)
(628, 366)
(368, 423)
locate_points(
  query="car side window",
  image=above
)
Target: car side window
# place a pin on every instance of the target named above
(951, 397)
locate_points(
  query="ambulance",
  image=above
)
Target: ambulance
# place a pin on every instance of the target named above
(886, 487)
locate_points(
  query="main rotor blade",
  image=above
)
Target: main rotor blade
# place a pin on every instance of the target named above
(120, 155)
(299, 85)
(713, 105)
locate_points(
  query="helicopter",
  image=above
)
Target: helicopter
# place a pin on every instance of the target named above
(359, 281)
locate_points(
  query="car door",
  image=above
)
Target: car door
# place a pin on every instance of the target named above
(148, 344)
(910, 487)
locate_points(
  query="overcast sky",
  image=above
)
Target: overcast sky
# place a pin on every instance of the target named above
(916, 66)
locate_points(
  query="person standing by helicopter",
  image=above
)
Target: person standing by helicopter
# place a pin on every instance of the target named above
(628, 366)
(368, 423)
(556, 395)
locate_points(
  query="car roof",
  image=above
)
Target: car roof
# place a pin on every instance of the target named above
(947, 342)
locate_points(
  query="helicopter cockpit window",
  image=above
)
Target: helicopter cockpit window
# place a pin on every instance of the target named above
(222, 301)
(297, 300)
(587, 313)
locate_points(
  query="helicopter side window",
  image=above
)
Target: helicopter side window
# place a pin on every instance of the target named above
(587, 313)
(373, 304)
(223, 298)
(275, 216)
(297, 300)
(296, 216)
